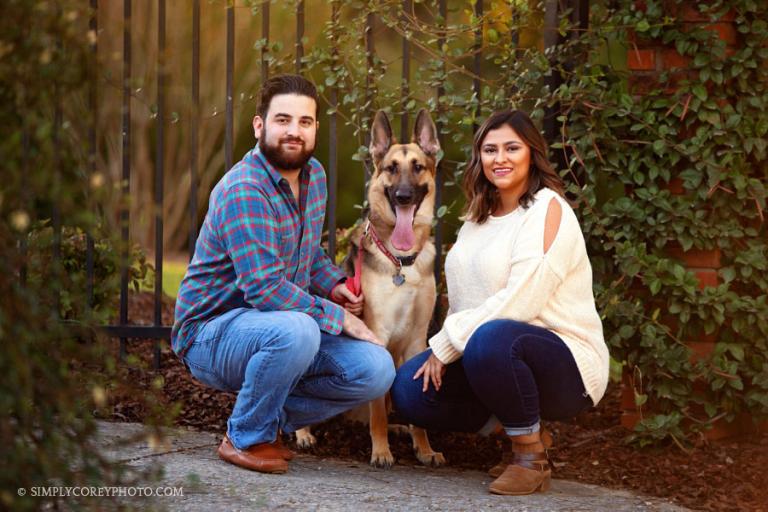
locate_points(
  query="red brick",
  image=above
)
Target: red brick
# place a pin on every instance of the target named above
(628, 399)
(686, 132)
(721, 429)
(722, 102)
(639, 40)
(691, 13)
(726, 32)
(642, 84)
(672, 322)
(646, 82)
(630, 419)
(627, 391)
(676, 186)
(742, 424)
(707, 277)
(641, 60)
(700, 349)
(696, 258)
(678, 76)
(671, 59)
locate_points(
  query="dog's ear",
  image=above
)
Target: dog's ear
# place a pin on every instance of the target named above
(381, 136)
(425, 134)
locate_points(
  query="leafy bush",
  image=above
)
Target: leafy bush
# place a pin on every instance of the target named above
(53, 374)
(74, 279)
(704, 130)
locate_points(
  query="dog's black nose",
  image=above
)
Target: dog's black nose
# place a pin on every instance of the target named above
(404, 196)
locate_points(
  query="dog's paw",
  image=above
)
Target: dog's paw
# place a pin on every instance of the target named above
(304, 439)
(431, 459)
(383, 460)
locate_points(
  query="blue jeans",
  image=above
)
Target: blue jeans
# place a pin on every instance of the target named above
(287, 374)
(514, 371)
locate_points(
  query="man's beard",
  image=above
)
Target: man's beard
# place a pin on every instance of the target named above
(282, 160)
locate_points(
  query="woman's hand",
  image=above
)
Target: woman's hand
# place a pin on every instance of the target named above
(433, 369)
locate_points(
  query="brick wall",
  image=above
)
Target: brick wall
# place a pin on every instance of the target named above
(646, 60)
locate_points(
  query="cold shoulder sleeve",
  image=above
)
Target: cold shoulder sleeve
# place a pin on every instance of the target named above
(533, 278)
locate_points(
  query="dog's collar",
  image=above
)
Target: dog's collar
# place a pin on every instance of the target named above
(407, 261)
(399, 261)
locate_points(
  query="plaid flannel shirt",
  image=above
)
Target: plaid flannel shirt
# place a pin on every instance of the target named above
(259, 249)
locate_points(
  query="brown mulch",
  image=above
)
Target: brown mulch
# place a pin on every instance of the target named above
(724, 475)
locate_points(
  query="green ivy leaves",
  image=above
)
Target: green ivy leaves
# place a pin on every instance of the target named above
(678, 159)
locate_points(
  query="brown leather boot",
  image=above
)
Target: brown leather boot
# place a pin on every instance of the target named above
(507, 454)
(526, 474)
(506, 460)
(285, 452)
(263, 457)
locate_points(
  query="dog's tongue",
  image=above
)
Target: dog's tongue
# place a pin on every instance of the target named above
(403, 237)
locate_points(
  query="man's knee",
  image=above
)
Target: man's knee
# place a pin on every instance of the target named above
(299, 335)
(376, 372)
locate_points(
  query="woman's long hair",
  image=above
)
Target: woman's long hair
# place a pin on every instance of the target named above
(482, 195)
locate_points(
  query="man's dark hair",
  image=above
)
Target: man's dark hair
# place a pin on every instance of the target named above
(284, 84)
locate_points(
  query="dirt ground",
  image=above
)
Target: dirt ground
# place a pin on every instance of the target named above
(724, 475)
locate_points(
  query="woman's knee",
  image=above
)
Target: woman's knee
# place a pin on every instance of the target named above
(406, 393)
(484, 340)
(492, 342)
(402, 393)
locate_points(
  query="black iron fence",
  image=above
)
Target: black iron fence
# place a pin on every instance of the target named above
(553, 10)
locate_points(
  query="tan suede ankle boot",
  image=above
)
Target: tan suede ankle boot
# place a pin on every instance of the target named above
(526, 474)
(508, 454)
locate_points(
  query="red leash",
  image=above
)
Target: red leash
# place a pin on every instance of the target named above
(354, 285)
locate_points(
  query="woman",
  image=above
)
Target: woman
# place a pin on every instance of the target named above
(522, 339)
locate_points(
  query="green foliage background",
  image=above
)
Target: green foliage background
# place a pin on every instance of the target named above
(56, 374)
(705, 126)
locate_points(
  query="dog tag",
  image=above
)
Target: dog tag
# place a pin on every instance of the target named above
(398, 279)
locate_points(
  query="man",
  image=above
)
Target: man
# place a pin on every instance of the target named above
(253, 314)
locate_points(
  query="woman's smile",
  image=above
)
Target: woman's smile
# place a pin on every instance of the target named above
(506, 161)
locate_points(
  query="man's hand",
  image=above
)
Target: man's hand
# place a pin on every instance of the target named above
(433, 369)
(356, 328)
(351, 302)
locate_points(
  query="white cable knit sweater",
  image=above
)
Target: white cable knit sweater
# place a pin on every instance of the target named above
(498, 269)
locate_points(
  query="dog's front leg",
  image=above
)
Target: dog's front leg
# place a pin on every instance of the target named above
(421, 446)
(423, 449)
(381, 457)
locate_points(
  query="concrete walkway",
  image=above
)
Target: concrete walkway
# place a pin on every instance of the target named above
(190, 462)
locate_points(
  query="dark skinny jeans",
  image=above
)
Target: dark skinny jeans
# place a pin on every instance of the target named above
(517, 372)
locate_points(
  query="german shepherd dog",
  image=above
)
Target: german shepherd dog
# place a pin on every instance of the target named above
(397, 263)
